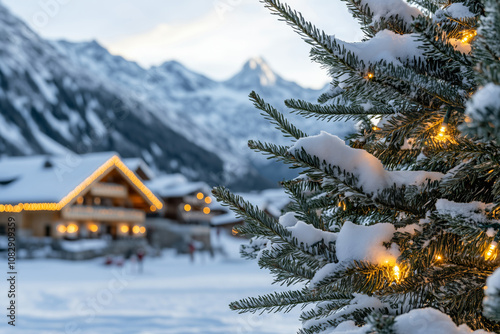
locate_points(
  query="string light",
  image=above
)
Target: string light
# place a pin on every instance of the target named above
(467, 35)
(439, 257)
(396, 273)
(369, 75)
(187, 207)
(234, 231)
(200, 196)
(375, 128)
(136, 229)
(206, 210)
(142, 229)
(490, 253)
(113, 161)
(124, 229)
(208, 200)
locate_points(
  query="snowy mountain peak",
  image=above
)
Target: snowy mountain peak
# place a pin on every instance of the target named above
(255, 73)
(259, 67)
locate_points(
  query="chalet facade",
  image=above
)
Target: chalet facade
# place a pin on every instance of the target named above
(73, 197)
(186, 202)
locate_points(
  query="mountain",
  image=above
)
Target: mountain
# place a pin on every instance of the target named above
(49, 105)
(58, 95)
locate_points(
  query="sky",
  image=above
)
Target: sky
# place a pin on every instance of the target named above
(212, 37)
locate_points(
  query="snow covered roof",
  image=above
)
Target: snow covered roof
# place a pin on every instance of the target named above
(175, 185)
(56, 180)
(137, 163)
(227, 218)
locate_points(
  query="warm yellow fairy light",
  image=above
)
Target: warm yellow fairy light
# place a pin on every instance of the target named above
(439, 257)
(396, 273)
(142, 230)
(152, 208)
(369, 75)
(124, 229)
(187, 207)
(468, 35)
(200, 195)
(93, 228)
(206, 210)
(72, 228)
(234, 231)
(375, 128)
(61, 229)
(113, 161)
(490, 253)
(136, 229)
(208, 200)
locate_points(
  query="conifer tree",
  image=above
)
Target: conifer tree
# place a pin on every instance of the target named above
(397, 226)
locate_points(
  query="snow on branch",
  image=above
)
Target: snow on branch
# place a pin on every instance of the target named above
(369, 171)
(386, 46)
(384, 9)
(425, 320)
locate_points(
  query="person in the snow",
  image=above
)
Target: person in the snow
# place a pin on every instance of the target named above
(140, 256)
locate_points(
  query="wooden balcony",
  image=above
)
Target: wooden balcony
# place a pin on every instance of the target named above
(95, 213)
(108, 190)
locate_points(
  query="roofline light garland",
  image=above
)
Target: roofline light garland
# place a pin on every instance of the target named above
(113, 161)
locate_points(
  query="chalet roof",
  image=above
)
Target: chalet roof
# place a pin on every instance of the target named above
(135, 163)
(175, 185)
(50, 179)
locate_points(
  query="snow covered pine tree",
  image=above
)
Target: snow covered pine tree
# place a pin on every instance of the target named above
(398, 231)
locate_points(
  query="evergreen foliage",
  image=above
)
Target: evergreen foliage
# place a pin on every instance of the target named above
(430, 111)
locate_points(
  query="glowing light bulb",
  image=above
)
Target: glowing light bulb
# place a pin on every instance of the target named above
(467, 35)
(124, 229)
(206, 210)
(439, 257)
(136, 229)
(396, 273)
(490, 253)
(200, 196)
(72, 228)
(142, 229)
(370, 75)
(152, 208)
(187, 207)
(234, 231)
(208, 200)
(93, 228)
(61, 229)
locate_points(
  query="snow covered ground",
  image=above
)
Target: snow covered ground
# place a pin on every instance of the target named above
(172, 295)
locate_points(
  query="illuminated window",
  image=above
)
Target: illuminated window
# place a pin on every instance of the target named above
(200, 195)
(72, 228)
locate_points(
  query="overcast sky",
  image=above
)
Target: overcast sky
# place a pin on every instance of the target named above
(213, 37)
